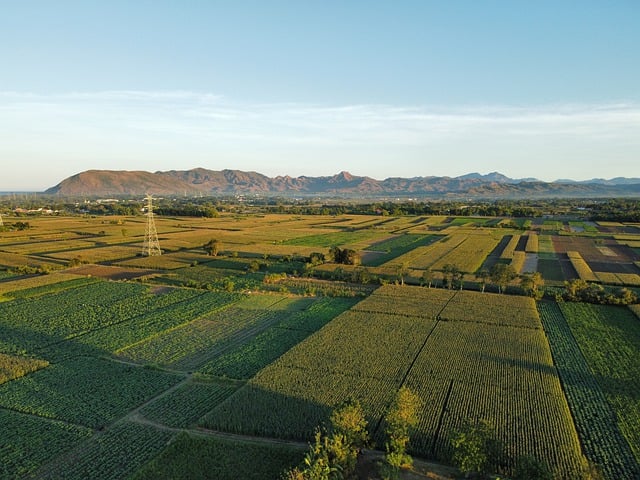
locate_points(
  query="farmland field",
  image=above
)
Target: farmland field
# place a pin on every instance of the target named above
(369, 355)
(184, 364)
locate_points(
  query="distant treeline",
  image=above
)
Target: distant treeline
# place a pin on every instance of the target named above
(624, 210)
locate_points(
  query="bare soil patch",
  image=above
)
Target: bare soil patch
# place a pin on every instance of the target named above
(110, 272)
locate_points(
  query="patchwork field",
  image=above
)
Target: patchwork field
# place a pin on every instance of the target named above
(127, 366)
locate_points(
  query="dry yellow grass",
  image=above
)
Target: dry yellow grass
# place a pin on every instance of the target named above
(631, 279)
(425, 257)
(532, 243)
(37, 281)
(517, 261)
(507, 253)
(582, 268)
(469, 255)
(608, 278)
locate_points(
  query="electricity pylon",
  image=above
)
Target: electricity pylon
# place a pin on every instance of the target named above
(151, 246)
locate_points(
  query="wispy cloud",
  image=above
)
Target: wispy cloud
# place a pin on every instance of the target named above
(149, 125)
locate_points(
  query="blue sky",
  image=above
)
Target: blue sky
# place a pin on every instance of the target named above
(547, 89)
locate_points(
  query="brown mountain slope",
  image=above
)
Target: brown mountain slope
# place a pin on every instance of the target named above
(227, 182)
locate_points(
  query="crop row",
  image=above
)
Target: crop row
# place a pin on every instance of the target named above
(76, 310)
(85, 391)
(54, 283)
(500, 356)
(398, 245)
(517, 261)
(546, 430)
(407, 301)
(618, 278)
(191, 456)
(244, 361)
(501, 374)
(507, 253)
(596, 423)
(166, 312)
(192, 343)
(287, 402)
(384, 353)
(469, 255)
(505, 310)
(28, 442)
(425, 257)
(326, 240)
(111, 455)
(182, 407)
(609, 338)
(505, 373)
(532, 243)
(582, 268)
(292, 326)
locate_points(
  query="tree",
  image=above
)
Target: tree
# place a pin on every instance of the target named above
(452, 276)
(348, 419)
(483, 275)
(402, 270)
(502, 274)
(530, 468)
(349, 435)
(213, 247)
(475, 448)
(401, 417)
(334, 456)
(531, 282)
(427, 277)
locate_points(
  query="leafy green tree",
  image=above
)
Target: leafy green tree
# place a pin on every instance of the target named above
(483, 275)
(348, 419)
(475, 448)
(502, 274)
(452, 276)
(213, 247)
(402, 271)
(530, 468)
(334, 456)
(401, 417)
(531, 283)
(427, 277)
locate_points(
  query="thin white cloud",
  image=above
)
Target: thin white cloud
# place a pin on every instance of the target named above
(382, 140)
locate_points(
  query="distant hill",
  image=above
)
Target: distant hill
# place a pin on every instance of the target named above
(229, 182)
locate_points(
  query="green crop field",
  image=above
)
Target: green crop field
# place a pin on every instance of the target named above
(187, 365)
(196, 456)
(596, 420)
(498, 366)
(609, 338)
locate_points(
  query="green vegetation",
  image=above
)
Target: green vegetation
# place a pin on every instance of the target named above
(458, 368)
(109, 363)
(595, 419)
(23, 438)
(399, 420)
(181, 408)
(475, 449)
(397, 245)
(609, 338)
(192, 456)
(334, 456)
(111, 455)
(84, 390)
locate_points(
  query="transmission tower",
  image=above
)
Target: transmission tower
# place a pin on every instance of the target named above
(151, 246)
(1, 224)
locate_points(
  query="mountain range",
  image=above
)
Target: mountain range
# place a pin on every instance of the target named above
(237, 182)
